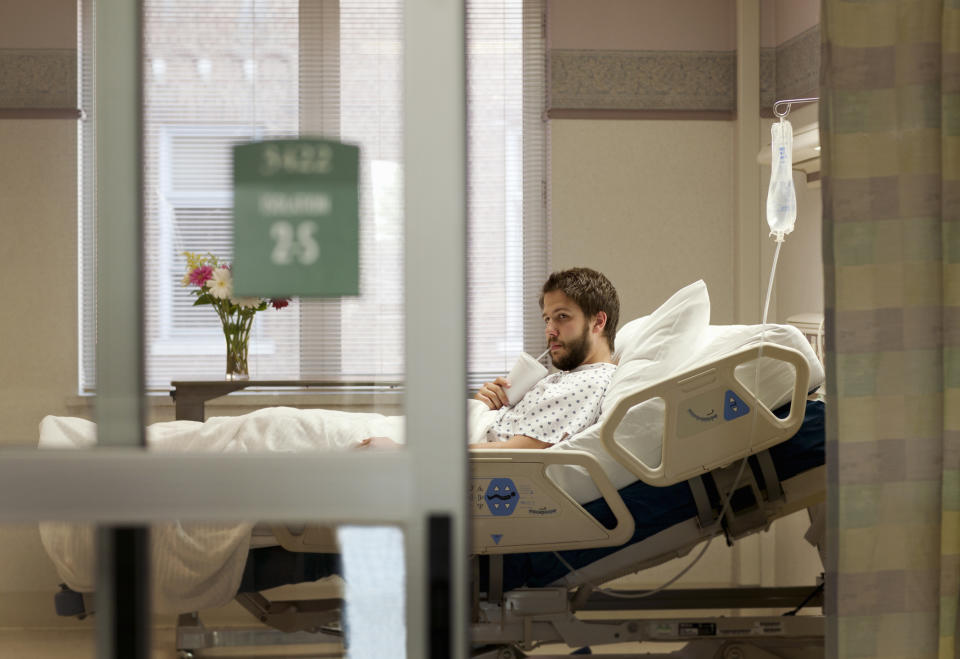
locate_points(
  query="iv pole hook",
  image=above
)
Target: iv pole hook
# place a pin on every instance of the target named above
(789, 102)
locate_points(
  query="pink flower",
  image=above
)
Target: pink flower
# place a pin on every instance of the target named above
(279, 302)
(201, 275)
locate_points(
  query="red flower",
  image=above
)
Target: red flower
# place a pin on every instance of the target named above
(279, 302)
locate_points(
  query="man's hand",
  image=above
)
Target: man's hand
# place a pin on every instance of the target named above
(378, 443)
(493, 394)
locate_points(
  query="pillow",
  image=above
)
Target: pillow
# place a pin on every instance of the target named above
(652, 337)
(650, 349)
(653, 347)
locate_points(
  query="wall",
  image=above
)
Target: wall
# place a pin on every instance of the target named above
(647, 25)
(799, 279)
(38, 328)
(38, 260)
(792, 18)
(47, 24)
(648, 202)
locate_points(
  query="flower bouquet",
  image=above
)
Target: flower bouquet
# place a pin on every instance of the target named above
(213, 282)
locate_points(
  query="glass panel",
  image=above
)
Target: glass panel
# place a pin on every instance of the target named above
(253, 589)
(28, 585)
(216, 74)
(221, 75)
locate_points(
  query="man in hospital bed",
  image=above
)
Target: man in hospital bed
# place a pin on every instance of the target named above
(580, 313)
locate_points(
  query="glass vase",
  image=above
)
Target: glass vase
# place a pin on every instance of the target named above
(236, 332)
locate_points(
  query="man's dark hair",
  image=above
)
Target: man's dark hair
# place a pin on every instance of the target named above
(591, 291)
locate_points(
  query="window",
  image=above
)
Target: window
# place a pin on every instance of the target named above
(218, 74)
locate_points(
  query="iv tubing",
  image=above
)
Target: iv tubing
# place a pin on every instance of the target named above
(773, 271)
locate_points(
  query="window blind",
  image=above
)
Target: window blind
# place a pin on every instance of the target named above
(507, 237)
(226, 72)
(86, 201)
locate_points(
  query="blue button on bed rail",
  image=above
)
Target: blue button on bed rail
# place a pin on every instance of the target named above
(733, 407)
(501, 497)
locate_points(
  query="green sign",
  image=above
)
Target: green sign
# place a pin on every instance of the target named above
(295, 219)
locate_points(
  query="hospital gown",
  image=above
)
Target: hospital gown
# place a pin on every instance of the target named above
(559, 406)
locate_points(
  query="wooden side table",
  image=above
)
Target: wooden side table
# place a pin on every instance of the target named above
(190, 396)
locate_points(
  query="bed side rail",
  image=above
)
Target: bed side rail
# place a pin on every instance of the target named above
(516, 507)
(709, 417)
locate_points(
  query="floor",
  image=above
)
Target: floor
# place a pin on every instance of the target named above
(80, 644)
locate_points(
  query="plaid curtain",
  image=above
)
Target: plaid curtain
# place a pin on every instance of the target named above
(890, 132)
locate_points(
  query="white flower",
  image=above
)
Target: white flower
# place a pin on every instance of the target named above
(221, 284)
(246, 302)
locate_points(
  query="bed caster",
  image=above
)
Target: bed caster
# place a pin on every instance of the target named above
(184, 654)
(733, 652)
(68, 602)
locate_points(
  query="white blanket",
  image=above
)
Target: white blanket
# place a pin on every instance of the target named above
(197, 566)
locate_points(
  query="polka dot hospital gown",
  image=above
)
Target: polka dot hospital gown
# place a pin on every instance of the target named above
(559, 406)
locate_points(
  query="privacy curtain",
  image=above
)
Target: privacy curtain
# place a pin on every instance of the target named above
(890, 131)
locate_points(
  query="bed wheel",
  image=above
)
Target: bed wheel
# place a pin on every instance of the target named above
(733, 652)
(184, 654)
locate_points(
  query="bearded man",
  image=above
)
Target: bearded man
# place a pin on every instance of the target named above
(580, 313)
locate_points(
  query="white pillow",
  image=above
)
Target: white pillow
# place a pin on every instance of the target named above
(653, 347)
(650, 349)
(653, 337)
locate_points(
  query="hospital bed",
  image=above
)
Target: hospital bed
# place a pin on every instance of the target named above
(550, 526)
(524, 594)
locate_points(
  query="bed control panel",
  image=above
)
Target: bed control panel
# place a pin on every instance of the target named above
(509, 497)
(516, 507)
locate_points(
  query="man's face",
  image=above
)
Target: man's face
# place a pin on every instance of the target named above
(567, 331)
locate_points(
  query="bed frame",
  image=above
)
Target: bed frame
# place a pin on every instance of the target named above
(517, 508)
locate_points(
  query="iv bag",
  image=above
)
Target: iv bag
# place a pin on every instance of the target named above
(781, 196)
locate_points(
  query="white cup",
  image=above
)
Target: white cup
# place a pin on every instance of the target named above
(524, 374)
